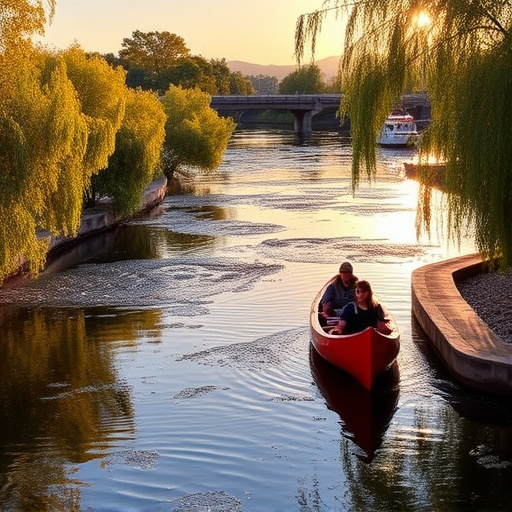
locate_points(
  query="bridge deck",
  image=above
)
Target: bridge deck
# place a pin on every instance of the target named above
(277, 102)
(303, 106)
(296, 101)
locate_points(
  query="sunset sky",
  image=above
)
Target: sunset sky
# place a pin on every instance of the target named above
(260, 32)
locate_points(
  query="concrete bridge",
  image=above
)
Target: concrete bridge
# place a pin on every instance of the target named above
(302, 106)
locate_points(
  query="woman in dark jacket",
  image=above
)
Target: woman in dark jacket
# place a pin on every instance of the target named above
(364, 312)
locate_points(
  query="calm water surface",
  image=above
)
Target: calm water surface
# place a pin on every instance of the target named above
(166, 366)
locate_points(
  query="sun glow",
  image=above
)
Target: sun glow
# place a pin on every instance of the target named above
(422, 19)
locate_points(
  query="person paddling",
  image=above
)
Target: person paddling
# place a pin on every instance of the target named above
(340, 292)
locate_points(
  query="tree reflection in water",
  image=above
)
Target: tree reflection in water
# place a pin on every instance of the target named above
(58, 385)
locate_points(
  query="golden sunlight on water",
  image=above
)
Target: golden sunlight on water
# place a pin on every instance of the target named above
(169, 368)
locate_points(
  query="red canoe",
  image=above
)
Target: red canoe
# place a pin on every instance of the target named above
(364, 355)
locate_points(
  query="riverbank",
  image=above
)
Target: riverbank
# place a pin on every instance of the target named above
(102, 217)
(464, 339)
(95, 221)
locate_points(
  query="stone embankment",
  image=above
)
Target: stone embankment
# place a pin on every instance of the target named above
(101, 219)
(472, 351)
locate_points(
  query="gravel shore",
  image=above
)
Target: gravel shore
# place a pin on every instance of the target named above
(490, 295)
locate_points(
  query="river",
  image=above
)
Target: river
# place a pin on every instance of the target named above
(165, 366)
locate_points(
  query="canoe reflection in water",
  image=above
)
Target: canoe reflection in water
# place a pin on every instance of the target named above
(365, 414)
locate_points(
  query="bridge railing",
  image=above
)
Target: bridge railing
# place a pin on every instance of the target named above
(278, 99)
(299, 100)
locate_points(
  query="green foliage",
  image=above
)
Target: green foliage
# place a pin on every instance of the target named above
(460, 52)
(62, 153)
(59, 116)
(21, 18)
(305, 80)
(62, 115)
(136, 159)
(42, 145)
(228, 82)
(149, 57)
(222, 75)
(155, 60)
(240, 84)
(188, 73)
(101, 90)
(139, 78)
(195, 135)
(153, 51)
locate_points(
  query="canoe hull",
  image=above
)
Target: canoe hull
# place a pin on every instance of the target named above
(365, 355)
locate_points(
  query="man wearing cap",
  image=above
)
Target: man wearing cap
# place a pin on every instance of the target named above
(340, 292)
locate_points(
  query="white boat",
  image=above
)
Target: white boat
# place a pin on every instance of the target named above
(399, 129)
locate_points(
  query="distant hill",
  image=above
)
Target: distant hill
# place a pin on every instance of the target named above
(328, 67)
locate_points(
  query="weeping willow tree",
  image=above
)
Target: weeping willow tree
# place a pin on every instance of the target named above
(102, 92)
(59, 115)
(42, 145)
(195, 135)
(460, 52)
(20, 18)
(136, 159)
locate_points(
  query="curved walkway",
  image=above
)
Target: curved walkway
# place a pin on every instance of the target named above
(474, 354)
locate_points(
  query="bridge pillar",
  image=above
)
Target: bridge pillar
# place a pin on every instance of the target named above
(302, 121)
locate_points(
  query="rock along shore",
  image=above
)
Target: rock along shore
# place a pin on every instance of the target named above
(462, 310)
(490, 295)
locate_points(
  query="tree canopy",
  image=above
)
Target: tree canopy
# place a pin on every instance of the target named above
(155, 60)
(43, 142)
(101, 90)
(153, 51)
(305, 80)
(136, 159)
(195, 135)
(189, 73)
(460, 52)
(240, 84)
(60, 116)
(22, 18)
